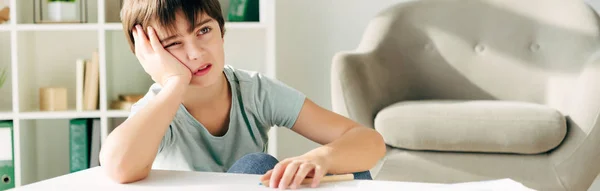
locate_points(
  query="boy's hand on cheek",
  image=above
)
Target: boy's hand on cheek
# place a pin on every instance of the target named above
(161, 65)
(290, 172)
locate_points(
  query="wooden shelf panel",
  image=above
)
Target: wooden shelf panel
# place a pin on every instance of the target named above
(228, 25)
(58, 27)
(5, 27)
(6, 116)
(117, 114)
(59, 114)
(107, 26)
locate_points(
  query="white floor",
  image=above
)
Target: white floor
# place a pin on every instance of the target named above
(596, 185)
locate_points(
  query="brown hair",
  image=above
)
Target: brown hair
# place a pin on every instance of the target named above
(162, 12)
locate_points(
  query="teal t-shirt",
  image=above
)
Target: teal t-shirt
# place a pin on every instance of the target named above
(258, 103)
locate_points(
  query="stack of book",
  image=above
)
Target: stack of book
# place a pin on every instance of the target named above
(87, 83)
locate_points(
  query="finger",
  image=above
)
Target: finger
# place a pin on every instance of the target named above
(142, 40)
(319, 173)
(301, 174)
(136, 41)
(277, 173)
(290, 172)
(154, 42)
(266, 176)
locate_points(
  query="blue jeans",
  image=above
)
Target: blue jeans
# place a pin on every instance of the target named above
(260, 163)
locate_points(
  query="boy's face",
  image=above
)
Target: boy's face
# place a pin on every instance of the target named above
(200, 50)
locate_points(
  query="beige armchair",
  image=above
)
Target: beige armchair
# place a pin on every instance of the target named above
(469, 90)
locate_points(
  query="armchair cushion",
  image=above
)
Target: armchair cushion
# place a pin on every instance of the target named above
(472, 126)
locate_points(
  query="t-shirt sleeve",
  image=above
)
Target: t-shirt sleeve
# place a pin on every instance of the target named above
(136, 107)
(279, 103)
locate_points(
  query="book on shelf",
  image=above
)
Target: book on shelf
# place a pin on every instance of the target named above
(87, 77)
(84, 144)
(7, 164)
(79, 77)
(243, 11)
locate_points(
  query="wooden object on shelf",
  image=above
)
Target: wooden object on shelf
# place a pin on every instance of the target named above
(4, 14)
(121, 105)
(125, 101)
(131, 97)
(53, 99)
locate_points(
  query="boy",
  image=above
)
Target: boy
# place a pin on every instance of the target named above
(202, 115)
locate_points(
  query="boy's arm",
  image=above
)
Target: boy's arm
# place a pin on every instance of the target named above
(130, 149)
(342, 139)
(347, 148)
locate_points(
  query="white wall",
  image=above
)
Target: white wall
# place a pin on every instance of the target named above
(309, 33)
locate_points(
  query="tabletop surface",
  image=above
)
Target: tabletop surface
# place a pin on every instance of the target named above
(95, 179)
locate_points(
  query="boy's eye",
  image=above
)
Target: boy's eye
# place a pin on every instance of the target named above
(205, 30)
(172, 44)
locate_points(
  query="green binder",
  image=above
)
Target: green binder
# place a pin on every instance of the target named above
(7, 169)
(243, 10)
(79, 144)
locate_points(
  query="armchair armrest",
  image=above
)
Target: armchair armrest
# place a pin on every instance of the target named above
(362, 85)
(576, 160)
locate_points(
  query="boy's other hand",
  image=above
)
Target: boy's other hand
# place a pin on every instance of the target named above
(290, 172)
(161, 65)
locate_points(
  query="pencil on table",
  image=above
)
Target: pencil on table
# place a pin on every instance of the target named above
(332, 178)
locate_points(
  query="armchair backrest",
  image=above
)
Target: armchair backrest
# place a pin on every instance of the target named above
(530, 50)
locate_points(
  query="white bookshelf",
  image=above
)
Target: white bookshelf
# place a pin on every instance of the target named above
(40, 55)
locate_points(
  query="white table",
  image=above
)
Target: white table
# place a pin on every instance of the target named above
(95, 179)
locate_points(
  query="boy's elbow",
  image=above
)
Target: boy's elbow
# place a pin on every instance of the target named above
(120, 172)
(124, 175)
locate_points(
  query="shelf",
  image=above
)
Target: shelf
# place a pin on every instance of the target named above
(113, 26)
(5, 27)
(57, 27)
(44, 55)
(6, 116)
(117, 114)
(108, 26)
(228, 25)
(42, 70)
(59, 114)
(64, 114)
(244, 25)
